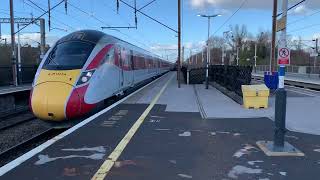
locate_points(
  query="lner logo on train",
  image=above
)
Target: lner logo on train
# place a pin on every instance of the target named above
(83, 69)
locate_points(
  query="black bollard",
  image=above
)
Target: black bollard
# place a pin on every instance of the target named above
(280, 118)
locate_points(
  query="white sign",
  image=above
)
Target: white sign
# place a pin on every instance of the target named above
(281, 23)
(283, 56)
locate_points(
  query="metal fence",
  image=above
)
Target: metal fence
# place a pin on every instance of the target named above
(5, 75)
(26, 75)
(293, 69)
(193, 75)
(230, 77)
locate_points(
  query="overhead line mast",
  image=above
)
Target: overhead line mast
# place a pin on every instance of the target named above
(179, 43)
(49, 14)
(13, 55)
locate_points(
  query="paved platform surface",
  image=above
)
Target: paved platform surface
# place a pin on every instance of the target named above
(173, 143)
(13, 89)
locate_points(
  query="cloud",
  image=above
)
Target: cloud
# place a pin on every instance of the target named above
(250, 4)
(195, 45)
(32, 39)
(171, 49)
(164, 47)
(230, 4)
(301, 10)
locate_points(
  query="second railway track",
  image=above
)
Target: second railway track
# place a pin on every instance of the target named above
(9, 122)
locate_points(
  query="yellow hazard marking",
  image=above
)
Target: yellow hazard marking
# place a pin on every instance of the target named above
(51, 92)
(112, 158)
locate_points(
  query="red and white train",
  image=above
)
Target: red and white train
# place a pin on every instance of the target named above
(83, 69)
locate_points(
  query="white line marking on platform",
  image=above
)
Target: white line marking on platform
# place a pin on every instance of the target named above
(185, 134)
(112, 158)
(43, 159)
(185, 176)
(300, 92)
(162, 129)
(13, 164)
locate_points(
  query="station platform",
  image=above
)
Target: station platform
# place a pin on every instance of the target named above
(14, 89)
(162, 132)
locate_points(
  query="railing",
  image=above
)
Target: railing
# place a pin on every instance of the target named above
(230, 77)
(303, 73)
(26, 74)
(293, 69)
(5, 75)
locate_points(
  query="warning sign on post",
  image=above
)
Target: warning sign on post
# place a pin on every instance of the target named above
(284, 56)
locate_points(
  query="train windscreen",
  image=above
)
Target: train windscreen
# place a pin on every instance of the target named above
(68, 55)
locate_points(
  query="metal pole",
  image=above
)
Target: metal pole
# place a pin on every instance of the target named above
(191, 57)
(202, 58)
(222, 60)
(273, 40)
(179, 41)
(42, 38)
(13, 55)
(19, 55)
(196, 59)
(182, 54)
(208, 56)
(315, 57)
(255, 57)
(237, 56)
(281, 95)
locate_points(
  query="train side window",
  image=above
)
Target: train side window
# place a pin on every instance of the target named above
(109, 58)
(131, 60)
(125, 59)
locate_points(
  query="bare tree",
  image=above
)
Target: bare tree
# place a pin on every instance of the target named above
(240, 35)
(216, 41)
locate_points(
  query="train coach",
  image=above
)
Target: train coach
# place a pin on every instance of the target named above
(85, 68)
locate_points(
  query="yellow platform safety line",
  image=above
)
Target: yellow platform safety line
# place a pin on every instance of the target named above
(112, 158)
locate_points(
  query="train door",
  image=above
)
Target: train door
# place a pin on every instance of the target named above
(127, 73)
(131, 61)
(121, 73)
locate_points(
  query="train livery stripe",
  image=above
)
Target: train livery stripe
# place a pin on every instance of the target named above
(75, 101)
(99, 57)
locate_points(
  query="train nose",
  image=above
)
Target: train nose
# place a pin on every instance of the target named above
(49, 100)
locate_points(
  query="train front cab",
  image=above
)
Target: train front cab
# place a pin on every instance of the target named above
(54, 96)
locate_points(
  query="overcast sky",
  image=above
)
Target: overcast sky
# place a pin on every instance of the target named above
(255, 14)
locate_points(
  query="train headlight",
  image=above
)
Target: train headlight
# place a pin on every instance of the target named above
(85, 77)
(89, 74)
